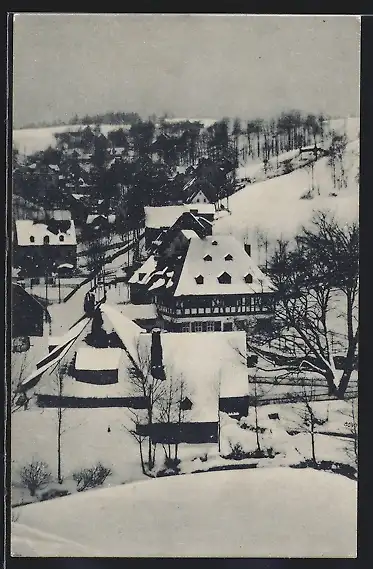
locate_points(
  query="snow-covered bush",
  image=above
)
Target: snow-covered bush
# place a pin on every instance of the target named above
(53, 493)
(35, 475)
(171, 467)
(308, 195)
(91, 477)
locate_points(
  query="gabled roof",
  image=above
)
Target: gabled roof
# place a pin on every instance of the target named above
(241, 264)
(196, 185)
(166, 216)
(27, 228)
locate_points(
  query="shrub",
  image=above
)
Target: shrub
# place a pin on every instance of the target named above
(53, 493)
(308, 195)
(172, 462)
(91, 477)
(35, 475)
(237, 452)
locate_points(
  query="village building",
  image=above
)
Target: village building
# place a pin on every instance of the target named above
(40, 247)
(203, 283)
(27, 313)
(159, 219)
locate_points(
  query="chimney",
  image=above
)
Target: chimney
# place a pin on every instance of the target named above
(247, 248)
(156, 356)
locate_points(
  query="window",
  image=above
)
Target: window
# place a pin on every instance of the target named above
(248, 278)
(194, 310)
(46, 240)
(225, 278)
(61, 238)
(227, 327)
(141, 276)
(187, 311)
(214, 242)
(208, 310)
(207, 258)
(201, 310)
(199, 279)
(228, 257)
(185, 327)
(217, 326)
(178, 312)
(197, 326)
(210, 326)
(32, 239)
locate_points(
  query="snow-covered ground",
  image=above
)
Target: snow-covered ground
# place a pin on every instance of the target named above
(251, 513)
(86, 441)
(275, 207)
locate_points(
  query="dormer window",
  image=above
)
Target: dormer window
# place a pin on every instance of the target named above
(225, 278)
(199, 279)
(228, 257)
(141, 276)
(214, 242)
(32, 239)
(46, 240)
(248, 278)
(207, 258)
(61, 238)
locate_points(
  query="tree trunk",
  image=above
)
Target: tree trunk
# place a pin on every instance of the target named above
(332, 389)
(348, 369)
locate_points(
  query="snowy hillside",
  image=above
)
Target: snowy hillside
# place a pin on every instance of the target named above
(275, 512)
(275, 206)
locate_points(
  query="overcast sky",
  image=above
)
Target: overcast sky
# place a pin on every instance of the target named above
(190, 66)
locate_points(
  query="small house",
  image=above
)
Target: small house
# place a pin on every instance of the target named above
(97, 365)
(27, 313)
(41, 246)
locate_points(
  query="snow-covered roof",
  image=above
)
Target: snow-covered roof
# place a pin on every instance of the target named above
(264, 512)
(148, 268)
(80, 196)
(91, 218)
(31, 233)
(189, 234)
(212, 365)
(237, 268)
(158, 217)
(88, 358)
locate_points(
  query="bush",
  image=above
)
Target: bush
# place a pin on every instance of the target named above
(91, 477)
(171, 467)
(35, 475)
(171, 462)
(53, 493)
(307, 195)
(237, 452)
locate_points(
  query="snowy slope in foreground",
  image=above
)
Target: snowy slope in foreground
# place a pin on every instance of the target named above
(278, 512)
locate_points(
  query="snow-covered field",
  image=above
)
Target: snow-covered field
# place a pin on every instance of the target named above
(86, 441)
(267, 513)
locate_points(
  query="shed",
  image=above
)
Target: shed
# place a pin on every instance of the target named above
(97, 365)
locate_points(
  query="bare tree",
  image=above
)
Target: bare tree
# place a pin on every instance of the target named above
(310, 419)
(306, 278)
(145, 385)
(171, 408)
(35, 475)
(18, 372)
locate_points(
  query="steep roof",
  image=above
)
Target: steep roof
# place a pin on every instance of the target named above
(27, 229)
(223, 373)
(237, 268)
(166, 216)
